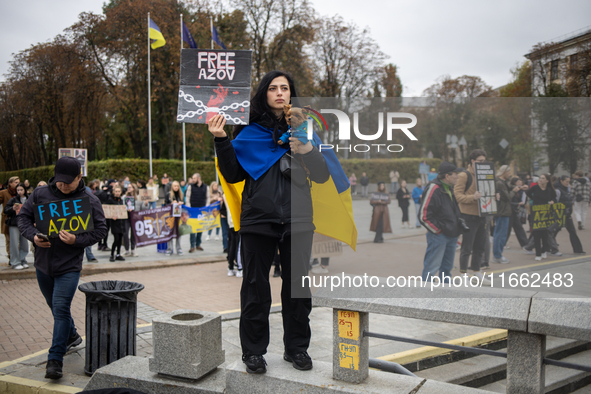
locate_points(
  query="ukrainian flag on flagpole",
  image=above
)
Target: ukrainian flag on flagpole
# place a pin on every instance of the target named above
(156, 36)
(332, 202)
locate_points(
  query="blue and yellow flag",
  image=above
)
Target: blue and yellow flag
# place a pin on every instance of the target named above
(199, 219)
(156, 35)
(333, 206)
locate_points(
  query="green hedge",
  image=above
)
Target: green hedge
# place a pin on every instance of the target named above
(376, 169)
(379, 169)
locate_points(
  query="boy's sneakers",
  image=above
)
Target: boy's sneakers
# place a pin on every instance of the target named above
(301, 361)
(231, 273)
(120, 258)
(74, 341)
(255, 363)
(54, 369)
(18, 267)
(239, 273)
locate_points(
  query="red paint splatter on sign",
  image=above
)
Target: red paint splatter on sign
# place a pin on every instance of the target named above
(201, 117)
(198, 86)
(235, 92)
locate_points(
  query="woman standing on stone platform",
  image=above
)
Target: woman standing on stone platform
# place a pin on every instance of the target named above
(276, 213)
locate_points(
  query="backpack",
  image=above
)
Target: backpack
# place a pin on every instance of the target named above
(468, 181)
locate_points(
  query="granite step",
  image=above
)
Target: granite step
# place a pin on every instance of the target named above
(559, 380)
(484, 370)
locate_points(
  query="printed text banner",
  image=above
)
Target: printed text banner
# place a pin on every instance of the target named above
(153, 226)
(73, 215)
(545, 216)
(212, 82)
(486, 185)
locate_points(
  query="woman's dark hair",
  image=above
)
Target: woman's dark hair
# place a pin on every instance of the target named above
(261, 113)
(476, 153)
(514, 180)
(549, 179)
(24, 187)
(142, 183)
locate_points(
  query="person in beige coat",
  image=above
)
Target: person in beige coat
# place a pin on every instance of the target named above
(473, 241)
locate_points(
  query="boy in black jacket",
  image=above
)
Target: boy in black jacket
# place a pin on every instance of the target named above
(58, 262)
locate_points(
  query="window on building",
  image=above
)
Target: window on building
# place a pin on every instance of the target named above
(554, 70)
(574, 62)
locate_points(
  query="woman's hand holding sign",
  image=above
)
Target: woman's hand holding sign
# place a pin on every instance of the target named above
(216, 126)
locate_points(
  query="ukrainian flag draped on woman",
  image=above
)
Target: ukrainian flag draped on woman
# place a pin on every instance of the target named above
(333, 206)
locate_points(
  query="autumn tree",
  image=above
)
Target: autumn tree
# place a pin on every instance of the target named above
(52, 99)
(347, 59)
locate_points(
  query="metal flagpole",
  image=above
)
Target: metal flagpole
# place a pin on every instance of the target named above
(184, 145)
(215, 154)
(149, 102)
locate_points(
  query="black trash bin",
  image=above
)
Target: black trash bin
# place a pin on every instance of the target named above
(111, 315)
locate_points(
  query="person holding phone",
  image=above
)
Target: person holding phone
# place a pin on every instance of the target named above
(19, 246)
(58, 261)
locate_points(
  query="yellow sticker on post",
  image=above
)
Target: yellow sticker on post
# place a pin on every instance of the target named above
(349, 325)
(349, 356)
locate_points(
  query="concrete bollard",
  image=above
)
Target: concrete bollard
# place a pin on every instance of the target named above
(525, 363)
(187, 343)
(350, 361)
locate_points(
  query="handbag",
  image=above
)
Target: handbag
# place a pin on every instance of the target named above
(556, 225)
(522, 214)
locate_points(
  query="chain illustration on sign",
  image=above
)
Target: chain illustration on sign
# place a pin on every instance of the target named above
(202, 108)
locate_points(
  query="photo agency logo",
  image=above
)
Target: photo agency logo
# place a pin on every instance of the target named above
(361, 130)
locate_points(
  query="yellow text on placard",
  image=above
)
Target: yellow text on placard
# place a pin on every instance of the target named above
(349, 325)
(349, 356)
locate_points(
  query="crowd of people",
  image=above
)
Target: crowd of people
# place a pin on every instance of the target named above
(449, 209)
(193, 193)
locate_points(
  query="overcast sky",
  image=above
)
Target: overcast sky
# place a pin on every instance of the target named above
(426, 39)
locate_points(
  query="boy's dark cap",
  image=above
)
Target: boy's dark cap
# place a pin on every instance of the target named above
(67, 169)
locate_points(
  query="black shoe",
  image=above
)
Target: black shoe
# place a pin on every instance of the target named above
(120, 258)
(277, 274)
(301, 361)
(54, 369)
(580, 225)
(255, 363)
(93, 260)
(225, 250)
(112, 258)
(74, 341)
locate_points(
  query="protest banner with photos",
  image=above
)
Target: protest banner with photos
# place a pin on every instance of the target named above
(486, 185)
(544, 216)
(212, 82)
(78, 154)
(73, 215)
(115, 211)
(201, 219)
(153, 226)
(325, 246)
